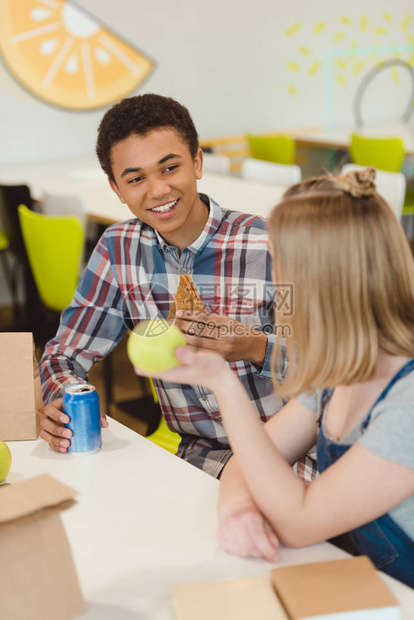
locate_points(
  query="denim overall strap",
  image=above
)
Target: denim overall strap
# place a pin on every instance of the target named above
(388, 546)
(405, 370)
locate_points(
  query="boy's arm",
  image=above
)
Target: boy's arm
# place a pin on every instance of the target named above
(89, 329)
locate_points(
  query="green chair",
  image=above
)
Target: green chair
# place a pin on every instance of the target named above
(163, 437)
(277, 149)
(385, 154)
(54, 247)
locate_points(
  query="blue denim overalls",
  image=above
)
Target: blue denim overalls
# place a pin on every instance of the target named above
(388, 546)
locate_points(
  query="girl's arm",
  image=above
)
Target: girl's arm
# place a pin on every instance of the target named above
(358, 488)
(243, 529)
(292, 430)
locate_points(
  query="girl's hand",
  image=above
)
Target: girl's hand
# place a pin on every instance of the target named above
(247, 533)
(203, 368)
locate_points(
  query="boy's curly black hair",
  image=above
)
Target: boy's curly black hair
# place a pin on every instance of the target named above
(139, 115)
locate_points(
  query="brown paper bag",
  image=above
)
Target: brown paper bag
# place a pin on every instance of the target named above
(21, 403)
(38, 578)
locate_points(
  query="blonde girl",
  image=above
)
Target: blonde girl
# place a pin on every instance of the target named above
(350, 383)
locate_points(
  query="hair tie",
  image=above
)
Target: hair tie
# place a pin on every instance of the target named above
(357, 182)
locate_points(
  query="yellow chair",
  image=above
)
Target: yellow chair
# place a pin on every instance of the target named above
(385, 154)
(4, 241)
(54, 247)
(163, 437)
(408, 208)
(277, 149)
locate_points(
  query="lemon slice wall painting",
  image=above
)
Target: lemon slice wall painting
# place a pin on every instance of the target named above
(67, 58)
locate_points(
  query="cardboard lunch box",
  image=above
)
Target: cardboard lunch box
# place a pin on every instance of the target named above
(334, 590)
(241, 599)
(38, 579)
(21, 402)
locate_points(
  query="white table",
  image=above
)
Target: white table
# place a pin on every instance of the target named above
(144, 521)
(84, 176)
(339, 137)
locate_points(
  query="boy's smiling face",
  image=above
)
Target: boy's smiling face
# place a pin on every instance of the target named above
(156, 176)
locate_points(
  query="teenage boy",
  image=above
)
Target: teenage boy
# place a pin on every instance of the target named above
(148, 147)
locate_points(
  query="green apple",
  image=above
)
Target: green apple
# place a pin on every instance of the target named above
(5, 460)
(152, 343)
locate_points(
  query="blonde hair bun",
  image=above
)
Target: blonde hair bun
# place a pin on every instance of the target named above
(357, 182)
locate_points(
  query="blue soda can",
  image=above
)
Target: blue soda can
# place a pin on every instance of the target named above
(81, 404)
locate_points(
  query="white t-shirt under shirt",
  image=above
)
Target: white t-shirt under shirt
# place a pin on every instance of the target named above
(390, 434)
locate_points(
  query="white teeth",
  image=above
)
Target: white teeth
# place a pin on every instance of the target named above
(166, 207)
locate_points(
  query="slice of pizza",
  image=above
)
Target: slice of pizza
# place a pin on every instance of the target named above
(186, 297)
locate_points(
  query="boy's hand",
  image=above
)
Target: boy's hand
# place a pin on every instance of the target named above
(53, 426)
(222, 334)
(247, 533)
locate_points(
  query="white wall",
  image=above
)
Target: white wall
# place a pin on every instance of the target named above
(234, 66)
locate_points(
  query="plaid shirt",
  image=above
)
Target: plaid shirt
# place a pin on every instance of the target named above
(132, 275)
